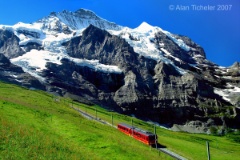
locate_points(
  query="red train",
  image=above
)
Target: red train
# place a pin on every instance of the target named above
(141, 135)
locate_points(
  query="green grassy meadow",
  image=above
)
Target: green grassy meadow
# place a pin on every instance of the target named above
(37, 125)
(191, 146)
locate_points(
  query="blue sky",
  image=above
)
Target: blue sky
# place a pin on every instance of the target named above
(217, 31)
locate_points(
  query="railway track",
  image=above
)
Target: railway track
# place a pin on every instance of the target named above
(164, 150)
(172, 154)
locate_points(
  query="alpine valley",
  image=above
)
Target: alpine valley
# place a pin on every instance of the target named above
(146, 71)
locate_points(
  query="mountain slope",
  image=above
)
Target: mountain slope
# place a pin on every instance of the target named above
(146, 71)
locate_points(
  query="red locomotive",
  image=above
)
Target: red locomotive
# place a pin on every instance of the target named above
(141, 135)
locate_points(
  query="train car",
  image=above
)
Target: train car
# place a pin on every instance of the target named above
(127, 129)
(141, 135)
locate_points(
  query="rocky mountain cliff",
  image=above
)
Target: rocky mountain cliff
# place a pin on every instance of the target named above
(147, 72)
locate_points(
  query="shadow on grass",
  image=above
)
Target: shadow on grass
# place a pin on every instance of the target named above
(158, 146)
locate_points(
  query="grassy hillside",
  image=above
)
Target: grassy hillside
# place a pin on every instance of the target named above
(36, 125)
(191, 146)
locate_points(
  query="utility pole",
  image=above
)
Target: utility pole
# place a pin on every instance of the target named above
(96, 112)
(112, 119)
(208, 150)
(155, 133)
(132, 126)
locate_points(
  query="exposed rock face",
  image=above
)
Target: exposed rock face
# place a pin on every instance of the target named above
(29, 33)
(113, 50)
(234, 70)
(31, 45)
(14, 74)
(9, 44)
(4, 60)
(58, 27)
(99, 44)
(72, 74)
(172, 47)
(198, 50)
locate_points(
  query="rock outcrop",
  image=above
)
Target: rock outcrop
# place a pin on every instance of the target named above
(9, 44)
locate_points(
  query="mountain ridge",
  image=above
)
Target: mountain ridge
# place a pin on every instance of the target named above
(78, 20)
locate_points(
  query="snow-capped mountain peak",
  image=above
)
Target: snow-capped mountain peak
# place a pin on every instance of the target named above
(144, 27)
(58, 27)
(77, 20)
